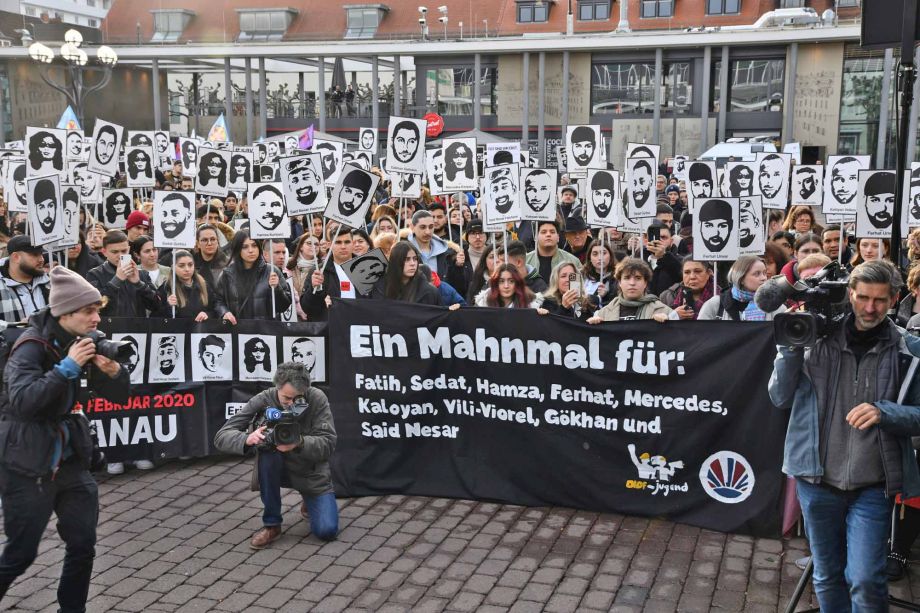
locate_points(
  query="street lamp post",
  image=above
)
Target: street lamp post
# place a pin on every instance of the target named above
(76, 61)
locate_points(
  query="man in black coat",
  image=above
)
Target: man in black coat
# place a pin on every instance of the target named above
(46, 448)
(331, 283)
(128, 288)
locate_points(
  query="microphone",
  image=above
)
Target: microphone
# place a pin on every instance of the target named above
(773, 294)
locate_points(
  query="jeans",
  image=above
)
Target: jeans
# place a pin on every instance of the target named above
(848, 535)
(323, 512)
(27, 507)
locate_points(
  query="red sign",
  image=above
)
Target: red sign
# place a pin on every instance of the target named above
(435, 124)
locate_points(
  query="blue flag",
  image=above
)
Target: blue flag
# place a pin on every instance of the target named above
(69, 120)
(219, 132)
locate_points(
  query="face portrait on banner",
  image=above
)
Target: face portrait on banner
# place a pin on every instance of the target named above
(256, 357)
(213, 179)
(459, 164)
(740, 179)
(807, 185)
(773, 179)
(750, 226)
(643, 150)
(715, 230)
(161, 144)
(213, 357)
(309, 351)
(15, 186)
(73, 147)
(139, 166)
(538, 199)
(603, 198)
(268, 217)
(240, 171)
(302, 179)
(365, 270)
(267, 173)
(89, 183)
(640, 187)
(45, 151)
(502, 197)
(875, 211)
(116, 206)
(679, 165)
(841, 183)
(503, 153)
(352, 196)
(331, 155)
(260, 153)
(103, 158)
(434, 168)
(912, 195)
(583, 146)
(363, 159)
(701, 181)
(70, 208)
(140, 139)
(405, 185)
(137, 360)
(188, 155)
(367, 139)
(406, 145)
(167, 358)
(173, 220)
(46, 217)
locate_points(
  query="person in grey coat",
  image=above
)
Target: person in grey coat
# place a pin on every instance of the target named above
(303, 466)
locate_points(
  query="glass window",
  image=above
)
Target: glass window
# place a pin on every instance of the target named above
(532, 12)
(630, 88)
(755, 85)
(363, 22)
(792, 4)
(847, 3)
(168, 25)
(657, 8)
(7, 126)
(593, 10)
(723, 7)
(450, 90)
(264, 25)
(860, 105)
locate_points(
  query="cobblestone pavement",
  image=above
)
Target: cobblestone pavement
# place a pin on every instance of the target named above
(176, 539)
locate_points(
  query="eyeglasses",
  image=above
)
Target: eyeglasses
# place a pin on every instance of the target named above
(207, 240)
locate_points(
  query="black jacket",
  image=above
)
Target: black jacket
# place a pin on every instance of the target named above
(85, 262)
(427, 293)
(37, 400)
(314, 304)
(191, 308)
(667, 271)
(210, 270)
(257, 305)
(126, 299)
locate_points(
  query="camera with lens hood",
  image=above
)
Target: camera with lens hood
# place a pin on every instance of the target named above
(824, 297)
(282, 426)
(120, 351)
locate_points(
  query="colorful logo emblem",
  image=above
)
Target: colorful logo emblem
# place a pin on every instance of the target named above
(727, 477)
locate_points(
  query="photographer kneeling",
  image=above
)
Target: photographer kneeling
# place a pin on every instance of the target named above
(854, 396)
(302, 464)
(46, 446)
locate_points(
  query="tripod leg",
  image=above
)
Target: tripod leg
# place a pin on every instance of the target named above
(800, 587)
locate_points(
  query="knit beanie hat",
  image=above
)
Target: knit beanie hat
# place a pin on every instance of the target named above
(70, 292)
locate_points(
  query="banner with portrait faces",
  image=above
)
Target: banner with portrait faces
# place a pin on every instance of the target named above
(46, 216)
(583, 146)
(773, 179)
(103, 157)
(351, 197)
(139, 166)
(875, 211)
(406, 145)
(173, 220)
(459, 155)
(502, 194)
(715, 230)
(603, 199)
(331, 155)
(538, 195)
(213, 177)
(268, 216)
(116, 205)
(841, 183)
(701, 182)
(302, 181)
(45, 151)
(640, 188)
(806, 185)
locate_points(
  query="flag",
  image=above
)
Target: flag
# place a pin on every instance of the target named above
(68, 120)
(306, 139)
(219, 132)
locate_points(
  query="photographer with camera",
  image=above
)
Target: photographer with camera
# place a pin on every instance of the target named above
(46, 445)
(289, 429)
(854, 398)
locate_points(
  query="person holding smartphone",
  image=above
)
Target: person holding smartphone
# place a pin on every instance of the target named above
(566, 293)
(687, 297)
(661, 257)
(121, 281)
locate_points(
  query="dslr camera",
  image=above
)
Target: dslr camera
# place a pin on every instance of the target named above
(824, 296)
(120, 351)
(282, 426)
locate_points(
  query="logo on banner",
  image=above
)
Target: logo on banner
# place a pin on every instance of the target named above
(727, 477)
(655, 473)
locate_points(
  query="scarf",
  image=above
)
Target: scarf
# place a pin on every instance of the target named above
(751, 311)
(645, 305)
(304, 263)
(474, 256)
(705, 295)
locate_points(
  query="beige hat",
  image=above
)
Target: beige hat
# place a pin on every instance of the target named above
(70, 292)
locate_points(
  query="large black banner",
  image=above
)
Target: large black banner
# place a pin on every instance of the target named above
(638, 418)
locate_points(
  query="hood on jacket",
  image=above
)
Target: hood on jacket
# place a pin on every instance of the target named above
(438, 246)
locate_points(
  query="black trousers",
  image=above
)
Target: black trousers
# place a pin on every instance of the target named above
(27, 507)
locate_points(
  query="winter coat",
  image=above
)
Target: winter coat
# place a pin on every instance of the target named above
(729, 308)
(307, 465)
(482, 296)
(314, 303)
(38, 399)
(258, 305)
(442, 259)
(19, 300)
(126, 299)
(85, 262)
(427, 293)
(611, 312)
(192, 307)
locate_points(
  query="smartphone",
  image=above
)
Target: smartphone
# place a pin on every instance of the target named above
(653, 233)
(688, 298)
(575, 282)
(124, 260)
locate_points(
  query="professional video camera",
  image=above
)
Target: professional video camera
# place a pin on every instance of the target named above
(824, 296)
(282, 426)
(120, 351)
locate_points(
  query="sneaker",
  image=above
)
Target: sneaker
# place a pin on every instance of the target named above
(802, 563)
(896, 567)
(143, 465)
(265, 536)
(115, 468)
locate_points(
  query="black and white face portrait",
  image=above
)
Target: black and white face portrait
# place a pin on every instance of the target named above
(257, 357)
(875, 215)
(188, 155)
(302, 178)
(103, 158)
(679, 165)
(406, 145)
(773, 179)
(405, 185)
(363, 159)
(715, 231)
(644, 150)
(117, 205)
(167, 358)
(173, 220)
(331, 154)
(434, 167)
(139, 166)
(240, 171)
(501, 185)
(15, 186)
(750, 226)
(309, 351)
(45, 151)
(161, 142)
(352, 196)
(459, 155)
(538, 202)
(583, 145)
(213, 177)
(367, 140)
(268, 217)
(260, 153)
(291, 144)
(740, 178)
(807, 185)
(272, 151)
(365, 270)
(912, 195)
(267, 173)
(73, 147)
(70, 209)
(841, 183)
(562, 159)
(640, 180)
(45, 215)
(603, 191)
(701, 177)
(213, 357)
(138, 358)
(502, 153)
(87, 181)
(140, 139)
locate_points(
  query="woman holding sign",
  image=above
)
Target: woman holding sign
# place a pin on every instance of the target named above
(245, 288)
(191, 297)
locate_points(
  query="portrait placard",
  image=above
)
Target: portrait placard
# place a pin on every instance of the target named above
(139, 166)
(538, 199)
(583, 147)
(459, 155)
(173, 220)
(603, 198)
(750, 226)
(213, 172)
(46, 215)
(365, 270)
(715, 230)
(45, 151)
(406, 145)
(137, 359)
(367, 139)
(502, 194)
(212, 357)
(103, 158)
(302, 180)
(875, 211)
(167, 358)
(434, 168)
(309, 351)
(701, 182)
(256, 356)
(773, 179)
(841, 183)
(117, 204)
(268, 216)
(331, 154)
(807, 185)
